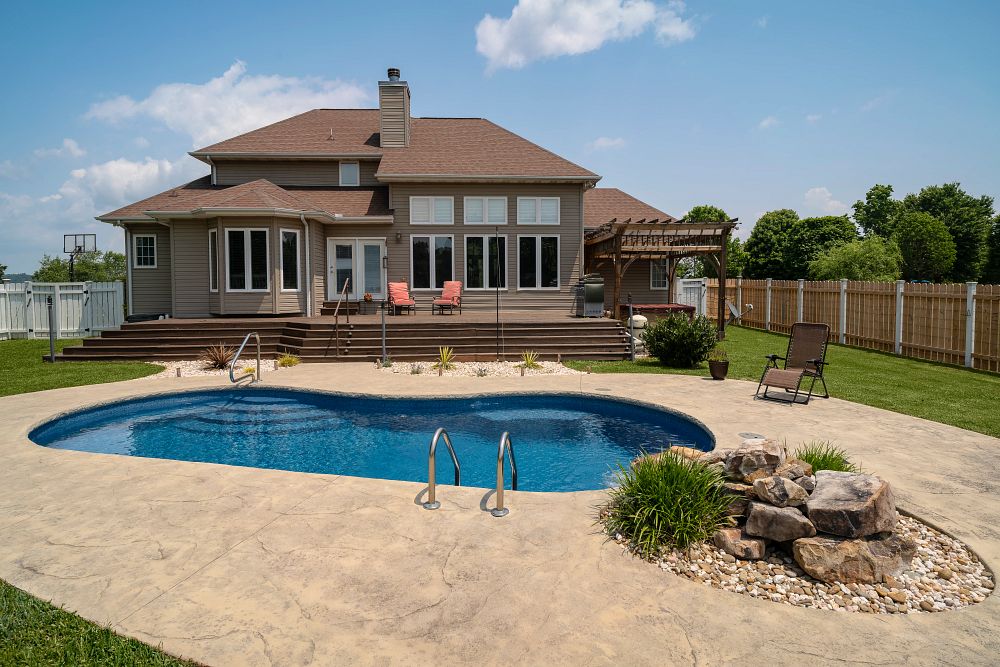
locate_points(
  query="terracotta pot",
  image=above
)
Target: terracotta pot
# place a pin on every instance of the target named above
(718, 369)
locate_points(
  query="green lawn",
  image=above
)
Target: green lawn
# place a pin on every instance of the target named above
(33, 632)
(942, 393)
(22, 369)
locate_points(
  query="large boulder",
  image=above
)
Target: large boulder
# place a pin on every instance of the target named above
(753, 458)
(780, 491)
(793, 469)
(780, 524)
(736, 542)
(686, 452)
(851, 504)
(864, 561)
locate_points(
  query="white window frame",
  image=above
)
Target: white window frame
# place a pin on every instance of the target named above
(666, 274)
(486, 211)
(298, 259)
(433, 268)
(538, 262)
(486, 265)
(135, 252)
(340, 169)
(538, 210)
(213, 278)
(247, 257)
(430, 202)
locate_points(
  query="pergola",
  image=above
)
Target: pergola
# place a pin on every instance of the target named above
(624, 242)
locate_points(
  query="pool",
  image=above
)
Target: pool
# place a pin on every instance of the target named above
(562, 442)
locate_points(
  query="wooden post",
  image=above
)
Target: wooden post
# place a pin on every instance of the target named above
(970, 322)
(739, 293)
(767, 305)
(898, 337)
(798, 300)
(722, 286)
(842, 318)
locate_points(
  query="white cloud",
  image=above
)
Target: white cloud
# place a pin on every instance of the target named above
(10, 170)
(606, 143)
(538, 29)
(230, 104)
(821, 200)
(69, 148)
(761, 22)
(813, 118)
(767, 122)
(141, 142)
(878, 101)
(108, 185)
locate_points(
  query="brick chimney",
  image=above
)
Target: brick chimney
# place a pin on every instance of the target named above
(394, 111)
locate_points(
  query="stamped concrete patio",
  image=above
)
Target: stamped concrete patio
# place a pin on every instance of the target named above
(240, 566)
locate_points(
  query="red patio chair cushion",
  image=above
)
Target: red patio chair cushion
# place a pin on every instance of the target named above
(399, 294)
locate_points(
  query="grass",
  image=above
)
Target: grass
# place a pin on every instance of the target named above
(22, 369)
(823, 455)
(33, 632)
(939, 392)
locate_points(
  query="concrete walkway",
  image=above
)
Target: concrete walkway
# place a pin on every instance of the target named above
(240, 566)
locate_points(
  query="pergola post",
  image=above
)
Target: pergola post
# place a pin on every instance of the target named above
(619, 269)
(722, 285)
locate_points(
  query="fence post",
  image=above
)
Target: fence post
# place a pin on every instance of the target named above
(970, 322)
(704, 297)
(87, 314)
(767, 305)
(842, 319)
(29, 310)
(898, 338)
(56, 309)
(119, 305)
(798, 300)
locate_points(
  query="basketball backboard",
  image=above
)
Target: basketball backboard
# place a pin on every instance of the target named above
(77, 243)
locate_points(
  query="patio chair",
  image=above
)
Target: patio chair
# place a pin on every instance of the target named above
(399, 298)
(805, 359)
(451, 298)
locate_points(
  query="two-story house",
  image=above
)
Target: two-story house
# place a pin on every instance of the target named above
(293, 211)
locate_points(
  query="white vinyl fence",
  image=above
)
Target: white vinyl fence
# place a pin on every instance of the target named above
(79, 309)
(693, 292)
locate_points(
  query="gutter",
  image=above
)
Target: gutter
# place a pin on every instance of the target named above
(484, 178)
(252, 155)
(309, 276)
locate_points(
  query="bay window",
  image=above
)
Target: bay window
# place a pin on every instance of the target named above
(486, 262)
(248, 259)
(289, 260)
(485, 210)
(432, 210)
(431, 261)
(538, 262)
(213, 260)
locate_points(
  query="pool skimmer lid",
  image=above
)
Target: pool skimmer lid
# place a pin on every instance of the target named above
(747, 435)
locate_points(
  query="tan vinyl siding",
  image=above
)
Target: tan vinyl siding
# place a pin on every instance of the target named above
(635, 281)
(190, 264)
(290, 172)
(394, 106)
(151, 292)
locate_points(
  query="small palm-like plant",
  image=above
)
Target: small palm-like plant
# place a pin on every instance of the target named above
(288, 360)
(529, 359)
(217, 356)
(824, 455)
(446, 359)
(416, 369)
(482, 371)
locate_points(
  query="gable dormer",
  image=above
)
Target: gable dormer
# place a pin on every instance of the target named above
(394, 111)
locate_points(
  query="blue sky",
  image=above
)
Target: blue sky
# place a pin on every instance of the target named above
(751, 106)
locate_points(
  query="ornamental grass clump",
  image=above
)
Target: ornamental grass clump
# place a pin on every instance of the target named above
(446, 359)
(824, 455)
(679, 341)
(666, 501)
(217, 356)
(529, 359)
(288, 360)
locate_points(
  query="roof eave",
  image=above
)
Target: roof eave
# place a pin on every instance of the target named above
(208, 156)
(483, 178)
(213, 212)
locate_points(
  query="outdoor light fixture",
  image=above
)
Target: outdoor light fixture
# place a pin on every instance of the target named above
(398, 237)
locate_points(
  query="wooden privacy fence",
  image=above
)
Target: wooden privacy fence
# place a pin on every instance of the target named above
(79, 309)
(955, 324)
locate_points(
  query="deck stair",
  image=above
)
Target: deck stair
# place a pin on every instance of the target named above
(316, 340)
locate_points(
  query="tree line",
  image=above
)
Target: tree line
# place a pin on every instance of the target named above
(940, 234)
(96, 266)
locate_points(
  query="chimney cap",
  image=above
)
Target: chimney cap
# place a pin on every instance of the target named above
(393, 74)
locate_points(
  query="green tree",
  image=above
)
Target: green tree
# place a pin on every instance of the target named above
(872, 258)
(967, 219)
(97, 266)
(706, 213)
(925, 245)
(991, 272)
(3, 269)
(766, 247)
(735, 255)
(811, 237)
(876, 214)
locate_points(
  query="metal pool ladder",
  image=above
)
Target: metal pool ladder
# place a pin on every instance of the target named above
(236, 357)
(432, 503)
(505, 446)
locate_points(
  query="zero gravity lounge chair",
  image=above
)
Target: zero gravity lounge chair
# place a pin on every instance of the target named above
(804, 360)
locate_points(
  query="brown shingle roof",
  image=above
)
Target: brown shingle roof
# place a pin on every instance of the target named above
(600, 205)
(355, 131)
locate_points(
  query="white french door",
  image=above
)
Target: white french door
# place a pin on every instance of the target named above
(359, 261)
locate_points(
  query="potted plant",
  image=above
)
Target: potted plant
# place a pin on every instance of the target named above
(718, 363)
(368, 297)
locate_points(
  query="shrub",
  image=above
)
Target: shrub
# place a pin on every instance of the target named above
(217, 356)
(387, 362)
(824, 455)
(666, 500)
(288, 360)
(446, 359)
(718, 353)
(416, 369)
(529, 359)
(482, 371)
(250, 370)
(679, 341)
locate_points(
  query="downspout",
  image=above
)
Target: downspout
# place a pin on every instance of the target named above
(309, 275)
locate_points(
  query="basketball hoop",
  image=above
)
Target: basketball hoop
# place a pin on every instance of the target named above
(78, 244)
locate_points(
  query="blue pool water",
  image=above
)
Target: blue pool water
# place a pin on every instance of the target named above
(561, 442)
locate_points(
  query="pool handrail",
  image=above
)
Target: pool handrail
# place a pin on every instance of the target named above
(236, 357)
(506, 445)
(432, 502)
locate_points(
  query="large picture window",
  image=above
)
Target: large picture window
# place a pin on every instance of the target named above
(485, 210)
(486, 262)
(213, 260)
(144, 251)
(431, 261)
(289, 260)
(247, 260)
(658, 275)
(538, 262)
(538, 210)
(432, 210)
